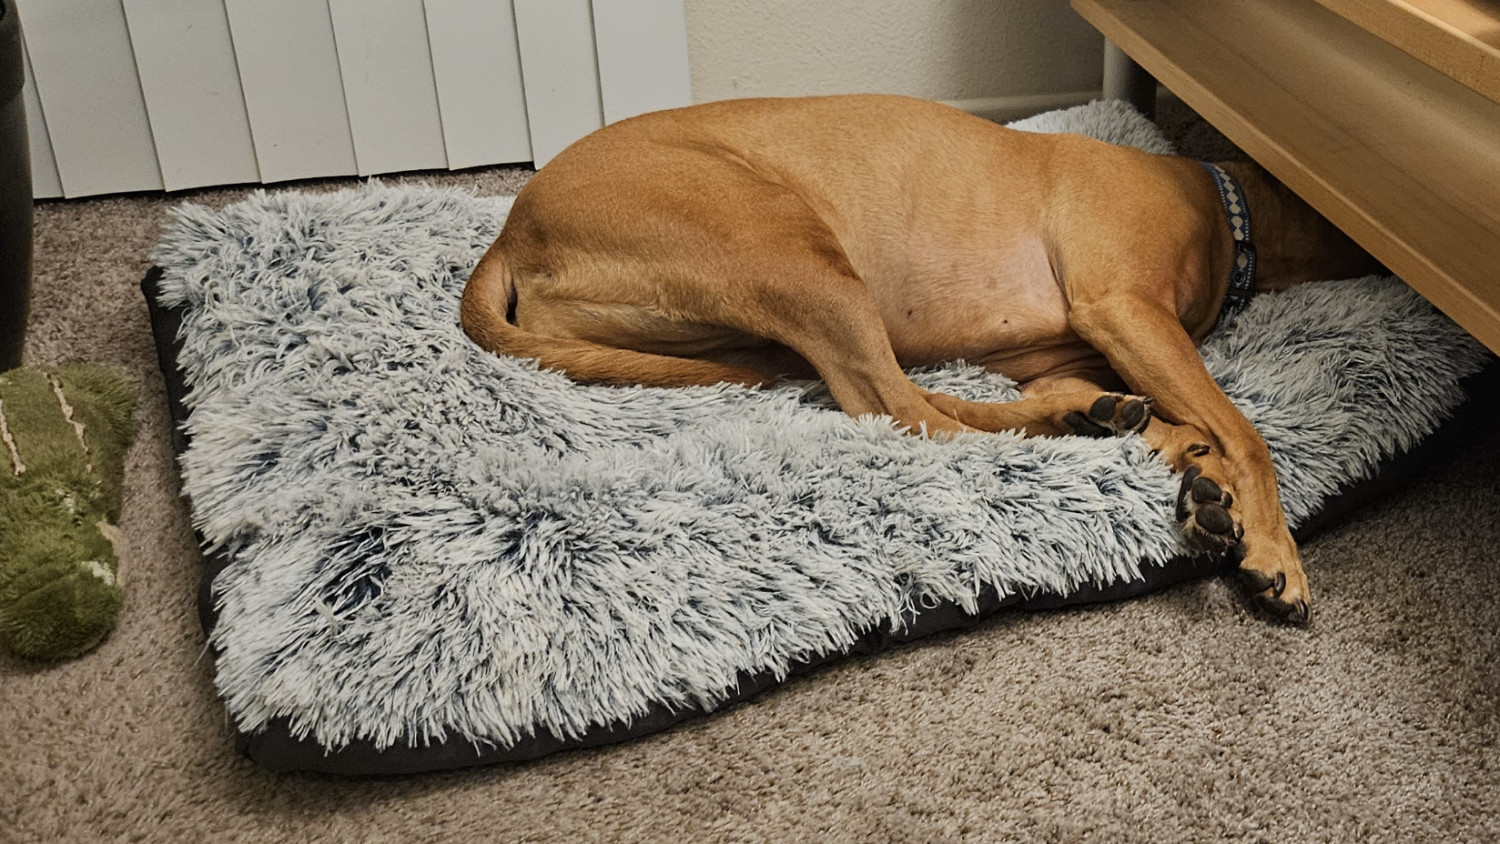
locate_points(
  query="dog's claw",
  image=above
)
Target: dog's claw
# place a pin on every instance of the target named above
(1278, 594)
(1296, 613)
(1303, 614)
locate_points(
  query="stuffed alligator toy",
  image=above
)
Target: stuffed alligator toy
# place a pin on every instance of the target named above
(63, 435)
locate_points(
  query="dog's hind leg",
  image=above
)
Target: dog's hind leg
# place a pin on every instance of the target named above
(1087, 412)
(829, 318)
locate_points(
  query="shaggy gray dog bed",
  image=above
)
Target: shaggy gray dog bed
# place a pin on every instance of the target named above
(429, 545)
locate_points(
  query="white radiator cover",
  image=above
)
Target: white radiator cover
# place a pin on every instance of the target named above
(130, 95)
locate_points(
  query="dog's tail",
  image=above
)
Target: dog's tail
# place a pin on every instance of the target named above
(489, 299)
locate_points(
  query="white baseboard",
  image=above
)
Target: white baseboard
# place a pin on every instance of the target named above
(1006, 109)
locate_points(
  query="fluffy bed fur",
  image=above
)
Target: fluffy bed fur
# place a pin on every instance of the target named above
(430, 542)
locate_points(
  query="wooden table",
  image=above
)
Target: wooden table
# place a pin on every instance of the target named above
(1383, 114)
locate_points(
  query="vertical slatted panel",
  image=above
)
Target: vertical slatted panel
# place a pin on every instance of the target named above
(643, 56)
(139, 94)
(386, 66)
(477, 65)
(558, 68)
(192, 88)
(289, 72)
(86, 80)
(45, 183)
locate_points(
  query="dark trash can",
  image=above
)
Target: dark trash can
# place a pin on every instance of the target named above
(15, 192)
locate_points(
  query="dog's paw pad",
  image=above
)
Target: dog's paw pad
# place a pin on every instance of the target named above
(1112, 414)
(1214, 518)
(1203, 510)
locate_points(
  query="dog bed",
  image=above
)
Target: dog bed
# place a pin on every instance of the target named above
(423, 556)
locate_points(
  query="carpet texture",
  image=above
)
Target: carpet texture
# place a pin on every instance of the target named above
(1179, 716)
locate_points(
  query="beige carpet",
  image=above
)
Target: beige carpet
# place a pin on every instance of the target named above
(1175, 717)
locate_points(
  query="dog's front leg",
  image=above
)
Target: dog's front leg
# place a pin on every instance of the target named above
(1146, 344)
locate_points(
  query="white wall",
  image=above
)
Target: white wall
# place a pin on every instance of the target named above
(957, 50)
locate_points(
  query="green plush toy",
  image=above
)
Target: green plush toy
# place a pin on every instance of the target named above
(63, 436)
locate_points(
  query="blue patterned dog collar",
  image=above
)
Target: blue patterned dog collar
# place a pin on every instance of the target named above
(1242, 275)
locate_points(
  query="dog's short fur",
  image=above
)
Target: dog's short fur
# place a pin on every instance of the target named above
(853, 236)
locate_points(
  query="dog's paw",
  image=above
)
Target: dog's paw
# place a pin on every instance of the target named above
(1282, 593)
(1203, 511)
(1111, 415)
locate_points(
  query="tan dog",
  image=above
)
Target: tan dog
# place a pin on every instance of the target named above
(853, 236)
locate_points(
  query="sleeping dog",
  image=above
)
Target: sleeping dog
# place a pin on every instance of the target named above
(849, 237)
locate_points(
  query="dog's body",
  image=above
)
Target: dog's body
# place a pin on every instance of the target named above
(852, 236)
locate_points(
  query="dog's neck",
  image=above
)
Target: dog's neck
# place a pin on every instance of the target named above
(1294, 243)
